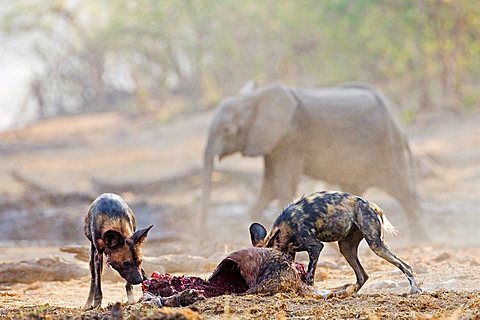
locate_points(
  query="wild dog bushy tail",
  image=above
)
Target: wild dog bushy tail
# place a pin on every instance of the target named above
(387, 226)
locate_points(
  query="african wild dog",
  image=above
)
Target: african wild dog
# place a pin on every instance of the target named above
(110, 227)
(330, 216)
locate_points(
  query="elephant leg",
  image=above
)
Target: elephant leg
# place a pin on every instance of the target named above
(399, 186)
(282, 173)
(266, 193)
(409, 202)
(353, 189)
(284, 196)
(287, 174)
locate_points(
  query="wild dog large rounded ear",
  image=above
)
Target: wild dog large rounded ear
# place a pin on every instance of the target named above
(257, 234)
(140, 236)
(113, 239)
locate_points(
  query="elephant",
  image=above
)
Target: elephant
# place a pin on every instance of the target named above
(348, 135)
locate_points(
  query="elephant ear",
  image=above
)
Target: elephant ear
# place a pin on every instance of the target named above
(271, 118)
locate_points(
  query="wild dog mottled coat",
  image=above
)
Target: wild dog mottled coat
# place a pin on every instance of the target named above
(330, 216)
(110, 226)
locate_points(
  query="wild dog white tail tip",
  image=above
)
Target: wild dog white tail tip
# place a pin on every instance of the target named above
(388, 227)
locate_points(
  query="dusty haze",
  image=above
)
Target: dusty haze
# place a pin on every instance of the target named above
(118, 97)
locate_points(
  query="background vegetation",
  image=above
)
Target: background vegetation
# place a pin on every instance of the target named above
(180, 55)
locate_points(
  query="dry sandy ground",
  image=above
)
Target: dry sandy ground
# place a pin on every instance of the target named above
(68, 155)
(450, 280)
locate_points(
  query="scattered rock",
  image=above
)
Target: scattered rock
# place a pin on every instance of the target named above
(385, 284)
(116, 312)
(80, 252)
(448, 284)
(421, 268)
(472, 261)
(44, 269)
(324, 293)
(171, 263)
(321, 275)
(442, 257)
(175, 313)
(339, 265)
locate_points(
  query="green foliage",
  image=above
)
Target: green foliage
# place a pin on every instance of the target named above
(408, 115)
(200, 50)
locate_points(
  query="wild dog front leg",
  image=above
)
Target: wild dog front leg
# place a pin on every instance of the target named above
(98, 264)
(313, 248)
(129, 288)
(130, 297)
(89, 302)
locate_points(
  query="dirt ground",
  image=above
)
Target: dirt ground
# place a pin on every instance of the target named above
(50, 170)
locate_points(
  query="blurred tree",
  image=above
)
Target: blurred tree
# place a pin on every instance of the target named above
(71, 40)
(140, 54)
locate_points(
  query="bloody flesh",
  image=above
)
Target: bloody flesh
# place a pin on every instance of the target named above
(241, 272)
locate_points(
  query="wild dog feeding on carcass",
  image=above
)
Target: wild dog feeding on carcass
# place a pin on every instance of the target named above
(246, 271)
(329, 217)
(110, 226)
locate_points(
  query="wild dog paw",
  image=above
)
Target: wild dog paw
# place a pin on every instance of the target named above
(415, 290)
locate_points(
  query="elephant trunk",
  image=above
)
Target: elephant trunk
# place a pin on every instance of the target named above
(207, 182)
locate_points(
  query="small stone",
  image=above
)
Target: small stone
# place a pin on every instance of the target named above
(384, 284)
(323, 293)
(421, 268)
(442, 257)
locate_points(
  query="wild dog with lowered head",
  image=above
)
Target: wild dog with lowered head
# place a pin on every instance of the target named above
(110, 226)
(328, 217)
